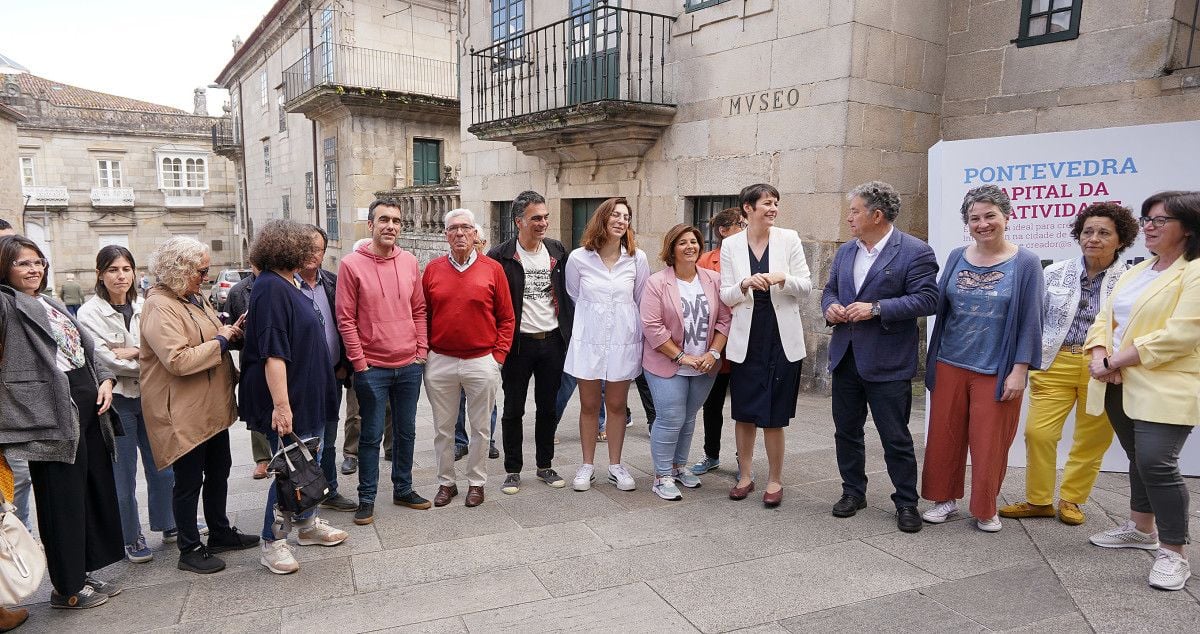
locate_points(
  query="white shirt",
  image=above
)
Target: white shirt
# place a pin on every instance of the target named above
(695, 321)
(864, 258)
(1125, 299)
(606, 339)
(462, 267)
(537, 302)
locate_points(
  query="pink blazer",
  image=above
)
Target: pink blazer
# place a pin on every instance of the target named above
(662, 317)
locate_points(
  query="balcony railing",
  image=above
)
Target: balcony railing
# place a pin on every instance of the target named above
(112, 196)
(224, 134)
(46, 196)
(351, 68)
(603, 54)
(1187, 35)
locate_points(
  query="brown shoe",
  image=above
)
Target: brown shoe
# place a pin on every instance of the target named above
(740, 493)
(1069, 513)
(445, 494)
(260, 471)
(474, 496)
(12, 619)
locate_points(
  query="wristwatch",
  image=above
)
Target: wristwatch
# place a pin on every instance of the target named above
(716, 355)
(874, 309)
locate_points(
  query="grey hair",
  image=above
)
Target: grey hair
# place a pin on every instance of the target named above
(175, 261)
(986, 194)
(524, 200)
(878, 196)
(454, 213)
(478, 228)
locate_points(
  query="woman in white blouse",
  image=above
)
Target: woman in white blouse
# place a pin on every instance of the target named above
(605, 278)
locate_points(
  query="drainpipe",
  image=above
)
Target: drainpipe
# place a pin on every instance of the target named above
(312, 69)
(245, 180)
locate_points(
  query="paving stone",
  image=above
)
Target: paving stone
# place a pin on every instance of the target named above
(248, 623)
(452, 625)
(416, 604)
(1006, 598)
(956, 549)
(789, 585)
(632, 608)
(1118, 611)
(249, 589)
(399, 526)
(476, 555)
(555, 505)
(902, 612)
(134, 610)
(766, 628)
(1072, 623)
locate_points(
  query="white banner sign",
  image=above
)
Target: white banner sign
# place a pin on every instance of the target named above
(1050, 179)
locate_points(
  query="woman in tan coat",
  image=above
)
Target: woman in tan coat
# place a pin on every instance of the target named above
(188, 380)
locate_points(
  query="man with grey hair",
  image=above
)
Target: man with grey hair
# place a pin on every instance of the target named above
(470, 332)
(878, 285)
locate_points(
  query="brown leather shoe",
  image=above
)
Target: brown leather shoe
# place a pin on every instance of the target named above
(740, 493)
(445, 494)
(260, 471)
(771, 500)
(474, 496)
(12, 619)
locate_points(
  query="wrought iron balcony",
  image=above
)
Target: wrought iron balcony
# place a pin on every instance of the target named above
(225, 141)
(46, 196)
(368, 78)
(112, 196)
(597, 72)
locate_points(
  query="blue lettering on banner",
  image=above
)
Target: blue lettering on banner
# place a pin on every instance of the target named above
(1083, 168)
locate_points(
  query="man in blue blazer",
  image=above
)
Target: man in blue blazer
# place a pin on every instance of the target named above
(879, 284)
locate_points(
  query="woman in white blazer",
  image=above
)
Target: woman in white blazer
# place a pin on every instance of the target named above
(764, 277)
(113, 317)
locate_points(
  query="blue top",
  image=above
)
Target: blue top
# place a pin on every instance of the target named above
(1022, 327)
(979, 298)
(281, 322)
(328, 319)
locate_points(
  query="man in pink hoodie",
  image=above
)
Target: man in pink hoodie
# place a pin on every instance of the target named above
(382, 319)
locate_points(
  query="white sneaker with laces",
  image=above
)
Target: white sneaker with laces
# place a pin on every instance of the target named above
(1170, 571)
(664, 487)
(1126, 536)
(684, 477)
(584, 478)
(619, 476)
(940, 512)
(277, 557)
(320, 533)
(989, 526)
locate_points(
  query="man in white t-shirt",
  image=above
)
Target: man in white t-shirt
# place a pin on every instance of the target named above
(534, 267)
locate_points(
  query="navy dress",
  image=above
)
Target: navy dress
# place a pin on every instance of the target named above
(763, 388)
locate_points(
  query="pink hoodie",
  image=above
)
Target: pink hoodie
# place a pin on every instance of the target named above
(381, 309)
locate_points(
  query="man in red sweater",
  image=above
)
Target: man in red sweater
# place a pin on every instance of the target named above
(470, 331)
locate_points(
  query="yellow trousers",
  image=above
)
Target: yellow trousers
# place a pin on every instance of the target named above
(1052, 394)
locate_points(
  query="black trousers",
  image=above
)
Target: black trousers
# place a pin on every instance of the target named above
(891, 404)
(647, 399)
(203, 469)
(714, 416)
(541, 360)
(79, 520)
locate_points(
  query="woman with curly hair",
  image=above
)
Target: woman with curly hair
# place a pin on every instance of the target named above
(1075, 291)
(287, 384)
(188, 379)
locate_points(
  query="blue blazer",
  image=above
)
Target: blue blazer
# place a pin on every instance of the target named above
(903, 279)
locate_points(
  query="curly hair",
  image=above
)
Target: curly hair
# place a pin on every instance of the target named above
(281, 245)
(595, 234)
(986, 194)
(667, 255)
(878, 196)
(175, 261)
(1122, 217)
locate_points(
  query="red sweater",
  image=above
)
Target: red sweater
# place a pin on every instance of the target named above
(470, 313)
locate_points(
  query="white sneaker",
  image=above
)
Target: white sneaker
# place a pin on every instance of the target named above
(686, 478)
(584, 478)
(989, 526)
(664, 487)
(277, 557)
(940, 512)
(619, 476)
(1170, 570)
(320, 533)
(1126, 536)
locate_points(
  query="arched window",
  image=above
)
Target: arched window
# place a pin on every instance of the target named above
(172, 173)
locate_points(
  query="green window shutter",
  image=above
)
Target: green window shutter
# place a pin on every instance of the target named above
(426, 162)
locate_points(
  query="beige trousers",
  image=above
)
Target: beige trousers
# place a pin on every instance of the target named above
(445, 377)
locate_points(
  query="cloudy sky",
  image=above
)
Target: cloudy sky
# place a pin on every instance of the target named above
(145, 49)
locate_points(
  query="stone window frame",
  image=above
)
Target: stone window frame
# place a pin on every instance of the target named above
(28, 171)
(267, 159)
(701, 210)
(696, 5)
(1029, 13)
(108, 173)
(502, 221)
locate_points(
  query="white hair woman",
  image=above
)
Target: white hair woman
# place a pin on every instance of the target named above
(187, 380)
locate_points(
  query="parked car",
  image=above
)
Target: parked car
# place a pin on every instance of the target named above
(225, 281)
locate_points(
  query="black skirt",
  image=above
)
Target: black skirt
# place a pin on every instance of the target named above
(763, 388)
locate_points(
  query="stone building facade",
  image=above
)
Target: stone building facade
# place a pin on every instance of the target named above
(11, 199)
(678, 105)
(332, 103)
(97, 169)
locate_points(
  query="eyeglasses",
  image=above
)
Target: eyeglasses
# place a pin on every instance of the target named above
(40, 263)
(203, 272)
(1158, 221)
(460, 228)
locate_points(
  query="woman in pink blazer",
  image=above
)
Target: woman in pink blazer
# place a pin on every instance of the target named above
(685, 325)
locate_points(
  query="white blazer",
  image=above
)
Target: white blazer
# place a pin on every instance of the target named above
(786, 256)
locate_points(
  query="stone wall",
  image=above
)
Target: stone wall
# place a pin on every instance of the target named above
(11, 199)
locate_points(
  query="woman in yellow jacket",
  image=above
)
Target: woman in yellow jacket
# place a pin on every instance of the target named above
(1145, 366)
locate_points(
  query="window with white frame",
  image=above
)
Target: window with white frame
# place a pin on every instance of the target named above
(183, 172)
(27, 174)
(108, 173)
(267, 159)
(262, 90)
(282, 112)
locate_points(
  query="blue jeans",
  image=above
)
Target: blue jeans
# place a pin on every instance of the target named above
(676, 401)
(22, 486)
(460, 428)
(158, 483)
(329, 446)
(566, 390)
(376, 388)
(268, 531)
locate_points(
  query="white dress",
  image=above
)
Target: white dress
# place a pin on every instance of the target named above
(606, 339)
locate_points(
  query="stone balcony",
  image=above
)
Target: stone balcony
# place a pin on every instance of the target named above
(112, 197)
(42, 197)
(422, 209)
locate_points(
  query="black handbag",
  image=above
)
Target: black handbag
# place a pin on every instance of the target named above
(299, 482)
